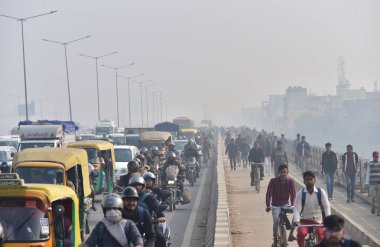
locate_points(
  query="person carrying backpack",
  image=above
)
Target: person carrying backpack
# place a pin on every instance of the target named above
(113, 230)
(311, 206)
(140, 216)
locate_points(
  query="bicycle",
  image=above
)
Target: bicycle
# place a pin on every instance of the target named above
(284, 225)
(311, 237)
(255, 176)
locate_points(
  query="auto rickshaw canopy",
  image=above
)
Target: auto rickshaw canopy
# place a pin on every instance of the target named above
(155, 135)
(67, 157)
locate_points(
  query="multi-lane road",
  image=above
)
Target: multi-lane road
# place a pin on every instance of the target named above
(187, 222)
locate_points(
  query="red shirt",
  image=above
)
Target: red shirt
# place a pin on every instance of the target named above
(280, 192)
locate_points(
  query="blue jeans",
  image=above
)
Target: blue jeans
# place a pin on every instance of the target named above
(329, 176)
(350, 183)
(276, 211)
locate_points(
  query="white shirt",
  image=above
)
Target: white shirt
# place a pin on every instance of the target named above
(311, 210)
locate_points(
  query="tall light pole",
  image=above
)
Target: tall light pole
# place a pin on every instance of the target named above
(129, 96)
(160, 104)
(21, 20)
(97, 75)
(67, 67)
(117, 88)
(141, 100)
(147, 103)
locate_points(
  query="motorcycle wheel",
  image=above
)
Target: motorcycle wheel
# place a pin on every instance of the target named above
(171, 202)
(191, 179)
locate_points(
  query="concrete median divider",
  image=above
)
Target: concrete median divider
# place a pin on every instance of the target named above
(222, 223)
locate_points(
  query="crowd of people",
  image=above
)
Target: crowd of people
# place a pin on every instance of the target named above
(311, 204)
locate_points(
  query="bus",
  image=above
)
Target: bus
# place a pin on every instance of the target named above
(183, 122)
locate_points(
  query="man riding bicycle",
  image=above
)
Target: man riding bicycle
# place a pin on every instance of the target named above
(311, 206)
(280, 190)
(256, 155)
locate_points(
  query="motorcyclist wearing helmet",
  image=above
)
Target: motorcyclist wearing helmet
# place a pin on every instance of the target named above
(144, 151)
(191, 150)
(149, 202)
(154, 156)
(113, 230)
(150, 186)
(140, 216)
(133, 167)
(172, 161)
(171, 148)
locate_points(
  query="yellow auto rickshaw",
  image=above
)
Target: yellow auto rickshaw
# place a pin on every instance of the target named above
(187, 133)
(102, 156)
(38, 215)
(159, 139)
(60, 166)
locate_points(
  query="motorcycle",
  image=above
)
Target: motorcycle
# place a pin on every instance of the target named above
(191, 171)
(163, 226)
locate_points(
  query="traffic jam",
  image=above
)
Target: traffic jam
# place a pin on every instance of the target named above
(54, 176)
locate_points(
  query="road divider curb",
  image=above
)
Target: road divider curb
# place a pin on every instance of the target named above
(222, 224)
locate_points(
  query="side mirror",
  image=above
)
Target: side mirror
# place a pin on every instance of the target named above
(59, 177)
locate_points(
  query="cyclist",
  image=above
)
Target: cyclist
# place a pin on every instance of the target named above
(280, 190)
(334, 233)
(311, 206)
(256, 155)
(206, 147)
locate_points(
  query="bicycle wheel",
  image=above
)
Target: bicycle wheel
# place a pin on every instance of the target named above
(283, 237)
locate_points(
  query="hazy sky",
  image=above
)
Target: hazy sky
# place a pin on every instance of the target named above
(220, 53)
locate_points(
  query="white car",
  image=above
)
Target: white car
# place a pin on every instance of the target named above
(10, 141)
(6, 157)
(124, 154)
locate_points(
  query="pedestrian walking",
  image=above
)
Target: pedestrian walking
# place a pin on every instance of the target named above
(232, 151)
(373, 180)
(279, 157)
(329, 165)
(303, 152)
(350, 161)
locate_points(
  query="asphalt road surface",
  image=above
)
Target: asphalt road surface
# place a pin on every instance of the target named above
(187, 222)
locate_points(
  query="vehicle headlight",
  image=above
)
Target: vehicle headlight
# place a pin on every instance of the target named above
(171, 182)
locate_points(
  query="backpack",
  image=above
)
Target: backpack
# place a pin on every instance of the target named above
(102, 229)
(141, 202)
(319, 196)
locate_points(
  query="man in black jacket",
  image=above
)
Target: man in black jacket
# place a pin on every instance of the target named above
(256, 155)
(140, 216)
(329, 166)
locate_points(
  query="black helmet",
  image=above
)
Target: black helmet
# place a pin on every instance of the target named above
(137, 159)
(112, 200)
(149, 175)
(130, 192)
(154, 148)
(134, 180)
(171, 154)
(144, 151)
(58, 210)
(133, 166)
(192, 161)
(171, 144)
(141, 157)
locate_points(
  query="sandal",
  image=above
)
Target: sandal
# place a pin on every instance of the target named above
(291, 238)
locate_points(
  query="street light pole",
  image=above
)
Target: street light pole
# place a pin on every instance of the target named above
(129, 96)
(117, 88)
(23, 52)
(97, 75)
(147, 103)
(141, 100)
(67, 67)
(161, 104)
